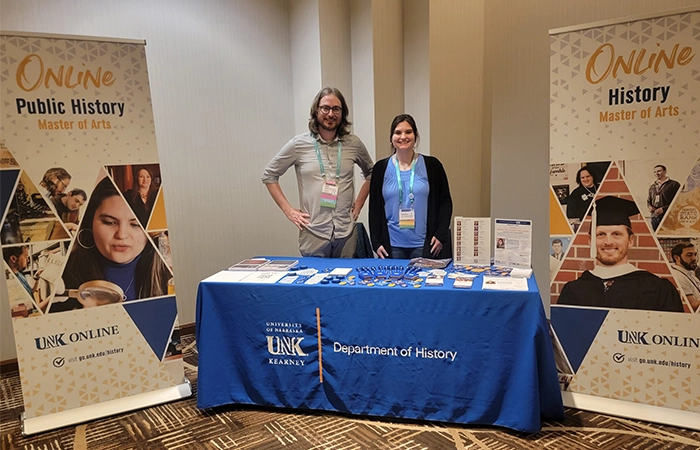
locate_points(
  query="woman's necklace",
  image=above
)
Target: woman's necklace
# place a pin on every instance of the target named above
(129, 286)
(590, 194)
(406, 166)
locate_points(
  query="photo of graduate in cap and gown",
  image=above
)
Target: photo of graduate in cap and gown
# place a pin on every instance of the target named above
(614, 282)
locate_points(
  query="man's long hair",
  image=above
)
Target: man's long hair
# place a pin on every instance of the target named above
(344, 126)
(58, 173)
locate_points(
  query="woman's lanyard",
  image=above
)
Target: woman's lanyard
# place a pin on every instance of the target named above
(329, 191)
(407, 217)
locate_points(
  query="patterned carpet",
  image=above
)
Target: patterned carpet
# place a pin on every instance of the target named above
(180, 425)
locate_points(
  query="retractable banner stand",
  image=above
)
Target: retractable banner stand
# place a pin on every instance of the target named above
(625, 215)
(84, 238)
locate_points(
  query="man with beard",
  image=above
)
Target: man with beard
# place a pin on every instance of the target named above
(324, 160)
(17, 259)
(685, 261)
(661, 193)
(614, 282)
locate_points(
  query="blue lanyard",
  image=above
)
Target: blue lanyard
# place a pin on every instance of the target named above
(410, 183)
(320, 161)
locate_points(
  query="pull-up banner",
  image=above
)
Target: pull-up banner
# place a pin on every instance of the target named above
(84, 238)
(625, 215)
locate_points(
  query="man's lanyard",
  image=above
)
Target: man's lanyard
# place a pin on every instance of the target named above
(320, 161)
(410, 183)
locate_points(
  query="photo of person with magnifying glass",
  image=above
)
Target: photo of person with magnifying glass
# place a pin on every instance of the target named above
(112, 259)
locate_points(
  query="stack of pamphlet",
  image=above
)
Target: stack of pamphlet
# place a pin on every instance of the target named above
(280, 265)
(249, 264)
(263, 264)
(434, 280)
(463, 283)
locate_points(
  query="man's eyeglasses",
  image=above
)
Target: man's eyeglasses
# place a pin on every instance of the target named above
(58, 184)
(328, 109)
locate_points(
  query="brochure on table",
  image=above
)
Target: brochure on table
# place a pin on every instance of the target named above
(415, 273)
(472, 241)
(513, 243)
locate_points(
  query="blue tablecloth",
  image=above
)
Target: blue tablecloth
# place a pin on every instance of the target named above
(431, 353)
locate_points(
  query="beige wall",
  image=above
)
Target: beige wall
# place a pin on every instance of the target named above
(456, 102)
(416, 66)
(387, 32)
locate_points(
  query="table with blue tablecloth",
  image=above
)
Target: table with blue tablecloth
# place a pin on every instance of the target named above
(468, 356)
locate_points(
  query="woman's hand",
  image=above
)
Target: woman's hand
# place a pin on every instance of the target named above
(381, 252)
(355, 211)
(435, 246)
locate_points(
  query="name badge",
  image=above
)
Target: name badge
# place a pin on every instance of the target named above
(657, 200)
(407, 218)
(329, 194)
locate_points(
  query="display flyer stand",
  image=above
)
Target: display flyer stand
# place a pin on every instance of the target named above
(84, 238)
(624, 125)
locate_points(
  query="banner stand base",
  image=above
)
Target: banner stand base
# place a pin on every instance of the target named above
(109, 408)
(649, 413)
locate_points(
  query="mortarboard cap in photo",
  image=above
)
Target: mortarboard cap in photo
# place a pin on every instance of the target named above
(613, 211)
(610, 210)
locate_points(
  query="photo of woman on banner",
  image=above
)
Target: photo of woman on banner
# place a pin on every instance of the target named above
(112, 259)
(614, 282)
(142, 195)
(410, 206)
(580, 199)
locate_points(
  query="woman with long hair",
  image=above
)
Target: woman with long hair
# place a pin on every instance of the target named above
(142, 195)
(112, 246)
(410, 207)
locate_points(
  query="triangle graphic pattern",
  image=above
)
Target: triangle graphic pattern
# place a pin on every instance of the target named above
(155, 319)
(558, 224)
(28, 217)
(683, 216)
(8, 179)
(644, 253)
(157, 220)
(576, 329)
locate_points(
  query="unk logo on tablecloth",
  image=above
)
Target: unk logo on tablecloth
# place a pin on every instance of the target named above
(285, 345)
(284, 342)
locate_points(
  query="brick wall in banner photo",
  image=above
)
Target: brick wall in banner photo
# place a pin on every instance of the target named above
(644, 252)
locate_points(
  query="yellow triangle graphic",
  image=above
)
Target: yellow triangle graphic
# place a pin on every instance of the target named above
(557, 222)
(7, 161)
(158, 221)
